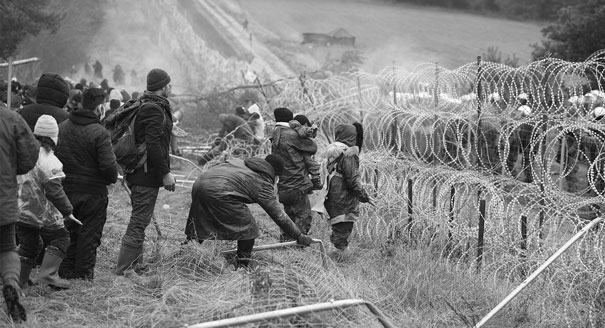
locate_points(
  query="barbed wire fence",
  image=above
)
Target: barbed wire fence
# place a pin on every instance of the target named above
(455, 169)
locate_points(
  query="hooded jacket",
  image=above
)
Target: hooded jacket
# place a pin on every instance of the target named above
(52, 95)
(344, 184)
(86, 153)
(286, 143)
(19, 153)
(219, 198)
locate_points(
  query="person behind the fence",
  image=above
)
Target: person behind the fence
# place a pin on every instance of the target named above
(44, 208)
(520, 141)
(233, 127)
(256, 120)
(219, 203)
(582, 145)
(19, 153)
(90, 165)
(345, 190)
(295, 183)
(153, 126)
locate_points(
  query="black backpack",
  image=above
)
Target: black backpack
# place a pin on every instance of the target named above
(120, 124)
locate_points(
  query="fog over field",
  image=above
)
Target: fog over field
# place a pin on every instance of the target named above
(400, 34)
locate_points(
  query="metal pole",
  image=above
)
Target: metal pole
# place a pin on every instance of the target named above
(410, 199)
(481, 234)
(529, 279)
(287, 244)
(9, 87)
(299, 310)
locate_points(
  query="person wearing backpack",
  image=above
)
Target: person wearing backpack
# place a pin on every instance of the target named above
(345, 190)
(90, 166)
(152, 127)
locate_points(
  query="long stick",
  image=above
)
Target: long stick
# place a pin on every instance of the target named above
(20, 62)
(299, 310)
(548, 262)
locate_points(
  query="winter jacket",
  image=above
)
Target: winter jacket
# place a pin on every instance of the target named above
(219, 198)
(153, 126)
(237, 125)
(344, 184)
(42, 201)
(52, 95)
(286, 143)
(19, 152)
(307, 134)
(86, 153)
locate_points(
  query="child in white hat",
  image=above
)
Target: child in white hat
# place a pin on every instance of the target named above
(44, 206)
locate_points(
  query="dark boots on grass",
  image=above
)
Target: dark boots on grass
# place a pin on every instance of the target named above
(130, 258)
(11, 291)
(49, 270)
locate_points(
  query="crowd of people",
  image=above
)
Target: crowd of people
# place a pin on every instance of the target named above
(60, 160)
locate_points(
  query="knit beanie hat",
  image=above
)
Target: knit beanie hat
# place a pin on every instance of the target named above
(302, 119)
(52, 89)
(283, 114)
(92, 98)
(157, 79)
(46, 126)
(276, 162)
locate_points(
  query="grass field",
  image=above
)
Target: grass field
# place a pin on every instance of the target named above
(400, 34)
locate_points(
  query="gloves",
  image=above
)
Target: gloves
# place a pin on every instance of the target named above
(363, 196)
(317, 185)
(304, 240)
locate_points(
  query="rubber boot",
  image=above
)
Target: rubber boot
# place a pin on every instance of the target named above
(49, 270)
(27, 265)
(127, 259)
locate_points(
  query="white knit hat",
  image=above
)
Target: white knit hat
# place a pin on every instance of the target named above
(46, 126)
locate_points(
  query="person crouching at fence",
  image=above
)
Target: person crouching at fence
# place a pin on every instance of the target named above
(44, 206)
(218, 205)
(233, 128)
(345, 190)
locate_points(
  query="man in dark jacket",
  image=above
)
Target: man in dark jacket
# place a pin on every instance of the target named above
(219, 198)
(233, 128)
(19, 152)
(295, 183)
(89, 165)
(52, 94)
(153, 126)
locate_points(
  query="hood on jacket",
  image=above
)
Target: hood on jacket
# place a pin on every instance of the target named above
(52, 89)
(261, 166)
(83, 117)
(347, 134)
